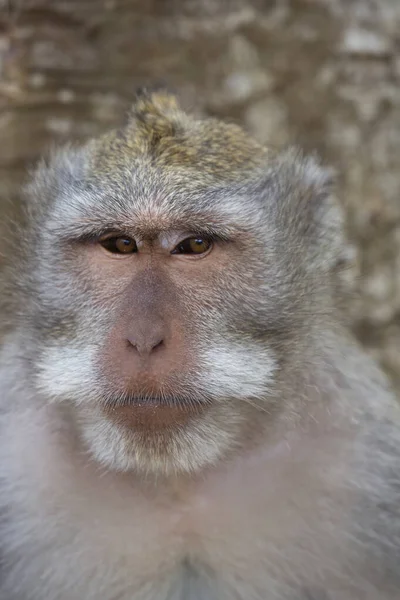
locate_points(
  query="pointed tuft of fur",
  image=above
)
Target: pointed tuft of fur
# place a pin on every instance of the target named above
(154, 116)
(160, 132)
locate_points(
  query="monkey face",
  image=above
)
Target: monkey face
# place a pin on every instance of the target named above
(151, 332)
(168, 294)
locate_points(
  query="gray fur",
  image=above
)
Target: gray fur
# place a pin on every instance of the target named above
(288, 488)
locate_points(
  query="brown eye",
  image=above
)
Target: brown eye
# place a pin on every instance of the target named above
(119, 245)
(193, 245)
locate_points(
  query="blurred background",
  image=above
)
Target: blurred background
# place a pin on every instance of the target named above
(324, 74)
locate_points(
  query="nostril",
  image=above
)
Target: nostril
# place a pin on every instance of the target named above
(146, 337)
(131, 343)
(145, 347)
(157, 345)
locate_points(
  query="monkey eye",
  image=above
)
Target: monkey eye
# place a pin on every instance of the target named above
(193, 245)
(119, 245)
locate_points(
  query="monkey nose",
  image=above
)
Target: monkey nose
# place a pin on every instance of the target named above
(147, 339)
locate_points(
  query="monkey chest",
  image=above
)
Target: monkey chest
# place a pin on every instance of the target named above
(206, 550)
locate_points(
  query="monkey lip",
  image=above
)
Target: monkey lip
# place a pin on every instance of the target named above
(153, 412)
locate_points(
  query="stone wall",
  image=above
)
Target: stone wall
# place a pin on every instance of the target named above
(321, 73)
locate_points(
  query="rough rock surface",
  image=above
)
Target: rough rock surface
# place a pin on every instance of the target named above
(322, 73)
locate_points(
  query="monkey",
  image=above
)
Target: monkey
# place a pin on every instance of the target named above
(184, 413)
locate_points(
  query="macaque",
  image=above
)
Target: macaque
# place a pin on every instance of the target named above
(184, 414)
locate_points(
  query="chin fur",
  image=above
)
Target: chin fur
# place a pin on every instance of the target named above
(166, 452)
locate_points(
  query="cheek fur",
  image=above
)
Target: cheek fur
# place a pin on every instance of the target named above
(237, 370)
(225, 369)
(67, 373)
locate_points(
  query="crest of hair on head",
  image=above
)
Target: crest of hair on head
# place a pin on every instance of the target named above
(155, 116)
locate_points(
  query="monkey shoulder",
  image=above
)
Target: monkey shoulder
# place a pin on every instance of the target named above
(375, 515)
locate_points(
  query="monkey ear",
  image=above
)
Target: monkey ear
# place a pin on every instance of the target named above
(308, 208)
(59, 173)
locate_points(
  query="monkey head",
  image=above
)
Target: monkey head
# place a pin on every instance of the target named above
(169, 269)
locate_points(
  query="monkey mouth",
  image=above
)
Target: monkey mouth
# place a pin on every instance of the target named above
(152, 412)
